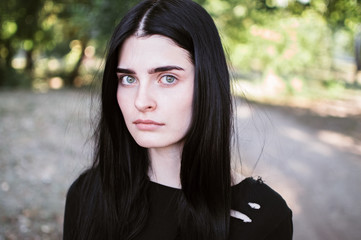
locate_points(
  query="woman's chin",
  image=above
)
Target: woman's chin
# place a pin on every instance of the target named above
(158, 144)
(147, 143)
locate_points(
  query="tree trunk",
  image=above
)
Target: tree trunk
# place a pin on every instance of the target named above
(75, 72)
(10, 55)
(6, 67)
(29, 61)
(357, 56)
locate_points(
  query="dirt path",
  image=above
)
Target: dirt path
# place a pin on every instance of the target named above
(317, 170)
(42, 150)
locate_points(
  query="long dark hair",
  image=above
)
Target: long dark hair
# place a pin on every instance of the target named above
(116, 186)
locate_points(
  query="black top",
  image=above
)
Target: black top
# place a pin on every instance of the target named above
(260, 212)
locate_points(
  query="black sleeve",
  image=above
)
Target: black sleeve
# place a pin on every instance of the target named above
(284, 231)
(272, 220)
(71, 212)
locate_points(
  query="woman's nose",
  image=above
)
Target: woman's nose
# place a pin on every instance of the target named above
(144, 100)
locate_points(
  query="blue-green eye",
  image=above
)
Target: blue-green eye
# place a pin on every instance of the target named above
(168, 79)
(128, 80)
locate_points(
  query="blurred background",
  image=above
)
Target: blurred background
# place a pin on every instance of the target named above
(297, 62)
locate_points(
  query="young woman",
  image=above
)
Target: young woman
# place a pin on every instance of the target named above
(162, 167)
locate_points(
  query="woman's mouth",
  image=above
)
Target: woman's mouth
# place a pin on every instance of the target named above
(147, 125)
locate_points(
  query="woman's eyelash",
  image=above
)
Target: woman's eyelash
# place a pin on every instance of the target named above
(168, 79)
(127, 79)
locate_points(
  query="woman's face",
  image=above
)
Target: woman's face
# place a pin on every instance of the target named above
(155, 90)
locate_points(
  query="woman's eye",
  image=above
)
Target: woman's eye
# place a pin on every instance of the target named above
(128, 80)
(168, 79)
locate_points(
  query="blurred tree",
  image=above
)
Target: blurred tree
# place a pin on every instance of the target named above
(49, 28)
(81, 22)
(20, 24)
(258, 34)
(92, 19)
(291, 37)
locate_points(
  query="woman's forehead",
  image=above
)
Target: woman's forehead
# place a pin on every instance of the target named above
(156, 49)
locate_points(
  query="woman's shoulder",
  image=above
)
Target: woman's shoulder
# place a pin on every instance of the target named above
(83, 184)
(250, 189)
(255, 205)
(82, 201)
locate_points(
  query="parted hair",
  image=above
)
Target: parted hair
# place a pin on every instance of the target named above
(114, 193)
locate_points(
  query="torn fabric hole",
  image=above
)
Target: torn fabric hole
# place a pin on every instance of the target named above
(241, 216)
(254, 205)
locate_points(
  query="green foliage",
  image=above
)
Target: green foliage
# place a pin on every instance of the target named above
(12, 78)
(291, 38)
(48, 29)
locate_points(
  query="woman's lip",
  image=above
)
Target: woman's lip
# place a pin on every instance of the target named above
(147, 125)
(150, 122)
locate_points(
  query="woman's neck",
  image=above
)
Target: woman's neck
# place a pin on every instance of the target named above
(165, 165)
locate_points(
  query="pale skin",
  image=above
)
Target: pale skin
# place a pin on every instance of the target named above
(155, 95)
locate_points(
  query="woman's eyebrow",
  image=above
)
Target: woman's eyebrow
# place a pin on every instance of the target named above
(164, 69)
(151, 71)
(124, 70)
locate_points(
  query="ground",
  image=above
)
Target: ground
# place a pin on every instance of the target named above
(310, 154)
